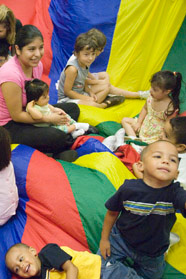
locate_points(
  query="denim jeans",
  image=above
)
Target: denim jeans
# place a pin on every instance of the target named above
(143, 266)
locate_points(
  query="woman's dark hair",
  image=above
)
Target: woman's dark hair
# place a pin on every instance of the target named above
(5, 148)
(83, 41)
(34, 89)
(4, 49)
(178, 125)
(167, 80)
(26, 35)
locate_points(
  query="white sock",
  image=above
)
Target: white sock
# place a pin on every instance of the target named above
(138, 148)
(174, 238)
(84, 126)
(120, 137)
(77, 133)
(110, 142)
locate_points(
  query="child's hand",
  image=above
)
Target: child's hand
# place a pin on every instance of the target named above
(105, 248)
(92, 95)
(30, 104)
(89, 99)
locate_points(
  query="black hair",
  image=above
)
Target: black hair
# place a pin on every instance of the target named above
(99, 36)
(167, 80)
(5, 148)
(26, 35)
(4, 49)
(34, 89)
(178, 125)
(85, 41)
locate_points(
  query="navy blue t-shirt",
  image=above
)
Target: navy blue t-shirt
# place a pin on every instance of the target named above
(52, 256)
(147, 214)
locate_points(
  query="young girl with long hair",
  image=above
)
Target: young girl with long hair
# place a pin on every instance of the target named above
(162, 103)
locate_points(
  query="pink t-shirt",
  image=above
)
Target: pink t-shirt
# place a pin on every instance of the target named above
(12, 71)
(8, 194)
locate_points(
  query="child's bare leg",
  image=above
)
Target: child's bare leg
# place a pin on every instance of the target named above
(101, 90)
(104, 76)
(115, 90)
(71, 128)
(93, 104)
(127, 125)
(121, 92)
(102, 93)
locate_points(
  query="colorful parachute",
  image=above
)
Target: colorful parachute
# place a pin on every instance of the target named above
(64, 202)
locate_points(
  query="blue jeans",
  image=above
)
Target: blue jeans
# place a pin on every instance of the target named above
(143, 266)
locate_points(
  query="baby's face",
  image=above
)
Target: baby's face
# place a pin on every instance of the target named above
(23, 261)
(160, 163)
(44, 99)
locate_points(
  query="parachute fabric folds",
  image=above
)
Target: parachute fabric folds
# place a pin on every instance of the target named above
(63, 202)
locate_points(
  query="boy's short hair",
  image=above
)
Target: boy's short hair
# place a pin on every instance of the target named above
(99, 37)
(34, 89)
(178, 125)
(145, 150)
(83, 41)
(17, 245)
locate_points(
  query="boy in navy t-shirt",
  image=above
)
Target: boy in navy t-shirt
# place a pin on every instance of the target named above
(141, 214)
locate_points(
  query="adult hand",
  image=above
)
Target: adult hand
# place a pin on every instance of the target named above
(58, 119)
(59, 111)
(105, 248)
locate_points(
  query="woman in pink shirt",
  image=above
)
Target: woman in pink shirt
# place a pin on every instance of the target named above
(26, 65)
(8, 189)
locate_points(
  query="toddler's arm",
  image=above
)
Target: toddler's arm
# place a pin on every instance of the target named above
(71, 74)
(141, 117)
(34, 113)
(70, 269)
(109, 221)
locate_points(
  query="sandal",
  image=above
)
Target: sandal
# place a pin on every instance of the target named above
(92, 130)
(112, 101)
